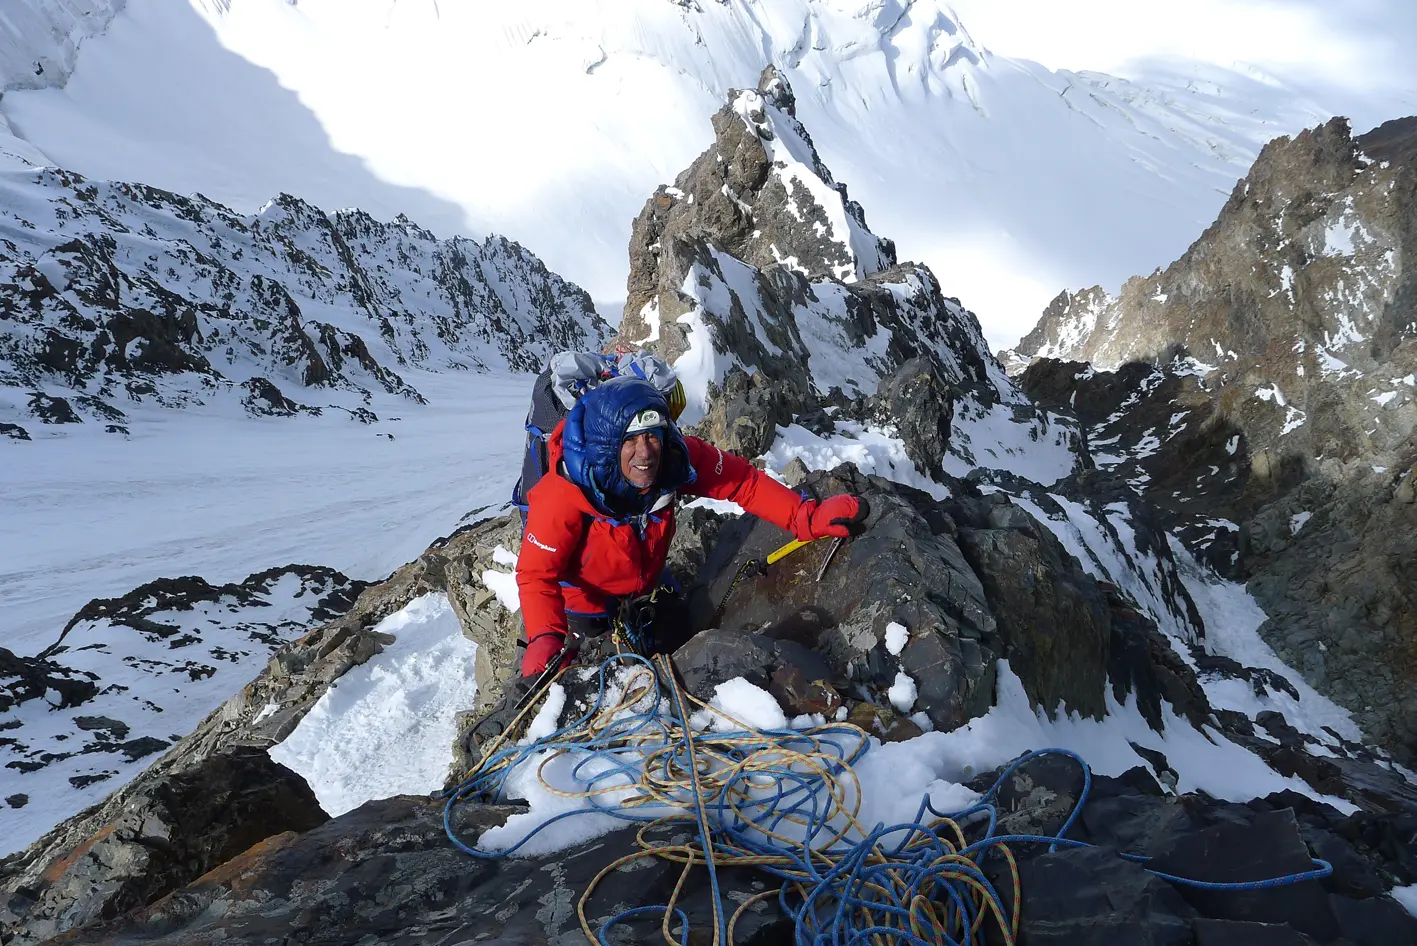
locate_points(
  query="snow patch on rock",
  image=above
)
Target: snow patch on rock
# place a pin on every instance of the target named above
(387, 726)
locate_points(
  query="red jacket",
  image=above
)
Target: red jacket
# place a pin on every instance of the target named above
(574, 558)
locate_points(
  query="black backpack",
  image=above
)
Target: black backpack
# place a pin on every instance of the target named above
(546, 412)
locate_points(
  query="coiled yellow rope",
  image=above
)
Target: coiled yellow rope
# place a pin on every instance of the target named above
(837, 871)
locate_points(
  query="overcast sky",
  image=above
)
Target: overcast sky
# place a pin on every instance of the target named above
(1357, 54)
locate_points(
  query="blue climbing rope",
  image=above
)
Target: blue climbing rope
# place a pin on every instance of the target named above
(779, 800)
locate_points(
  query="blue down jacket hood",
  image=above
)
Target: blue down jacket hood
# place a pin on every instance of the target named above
(590, 443)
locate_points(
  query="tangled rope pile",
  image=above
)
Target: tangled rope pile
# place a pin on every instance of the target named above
(787, 802)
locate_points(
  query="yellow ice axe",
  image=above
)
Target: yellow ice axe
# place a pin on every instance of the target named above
(787, 550)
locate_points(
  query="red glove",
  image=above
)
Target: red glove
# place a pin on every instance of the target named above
(840, 516)
(540, 651)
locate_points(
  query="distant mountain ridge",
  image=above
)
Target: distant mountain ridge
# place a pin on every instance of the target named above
(979, 164)
(112, 293)
(1301, 295)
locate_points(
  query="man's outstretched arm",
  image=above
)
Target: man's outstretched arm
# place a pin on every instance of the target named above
(724, 475)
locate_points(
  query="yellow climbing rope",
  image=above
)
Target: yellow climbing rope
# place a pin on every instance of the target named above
(787, 802)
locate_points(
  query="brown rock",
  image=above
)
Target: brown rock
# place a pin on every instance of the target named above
(799, 696)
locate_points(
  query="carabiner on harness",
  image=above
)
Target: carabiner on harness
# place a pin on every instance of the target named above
(634, 623)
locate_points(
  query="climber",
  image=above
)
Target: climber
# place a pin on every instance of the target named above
(570, 374)
(598, 528)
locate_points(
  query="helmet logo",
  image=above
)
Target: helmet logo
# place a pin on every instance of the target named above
(647, 419)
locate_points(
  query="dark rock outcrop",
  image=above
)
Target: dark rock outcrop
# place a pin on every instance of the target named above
(264, 399)
(386, 872)
(972, 578)
(792, 312)
(1057, 630)
(170, 833)
(32, 678)
(918, 405)
(1290, 323)
(741, 195)
(1160, 434)
(52, 410)
(1321, 545)
(1086, 896)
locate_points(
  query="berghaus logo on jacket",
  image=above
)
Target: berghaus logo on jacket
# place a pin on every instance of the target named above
(531, 537)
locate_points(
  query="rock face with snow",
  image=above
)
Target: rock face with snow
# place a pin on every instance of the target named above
(141, 872)
(132, 847)
(763, 196)
(1274, 425)
(114, 293)
(756, 257)
(1001, 530)
(1320, 542)
(974, 578)
(756, 275)
(1298, 299)
(1159, 434)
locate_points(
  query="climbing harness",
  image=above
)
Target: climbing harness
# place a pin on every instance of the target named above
(632, 631)
(632, 628)
(570, 647)
(785, 801)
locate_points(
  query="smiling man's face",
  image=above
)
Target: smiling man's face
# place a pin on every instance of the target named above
(639, 459)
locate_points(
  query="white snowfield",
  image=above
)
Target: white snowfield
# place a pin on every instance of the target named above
(981, 165)
(212, 492)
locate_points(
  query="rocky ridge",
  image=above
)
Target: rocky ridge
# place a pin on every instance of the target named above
(130, 870)
(1268, 406)
(1297, 302)
(1069, 575)
(114, 293)
(756, 265)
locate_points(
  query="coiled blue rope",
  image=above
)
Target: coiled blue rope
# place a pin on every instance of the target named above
(832, 878)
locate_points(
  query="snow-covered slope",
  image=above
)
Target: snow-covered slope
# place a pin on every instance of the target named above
(39, 39)
(39, 44)
(132, 675)
(212, 491)
(550, 121)
(115, 293)
(200, 492)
